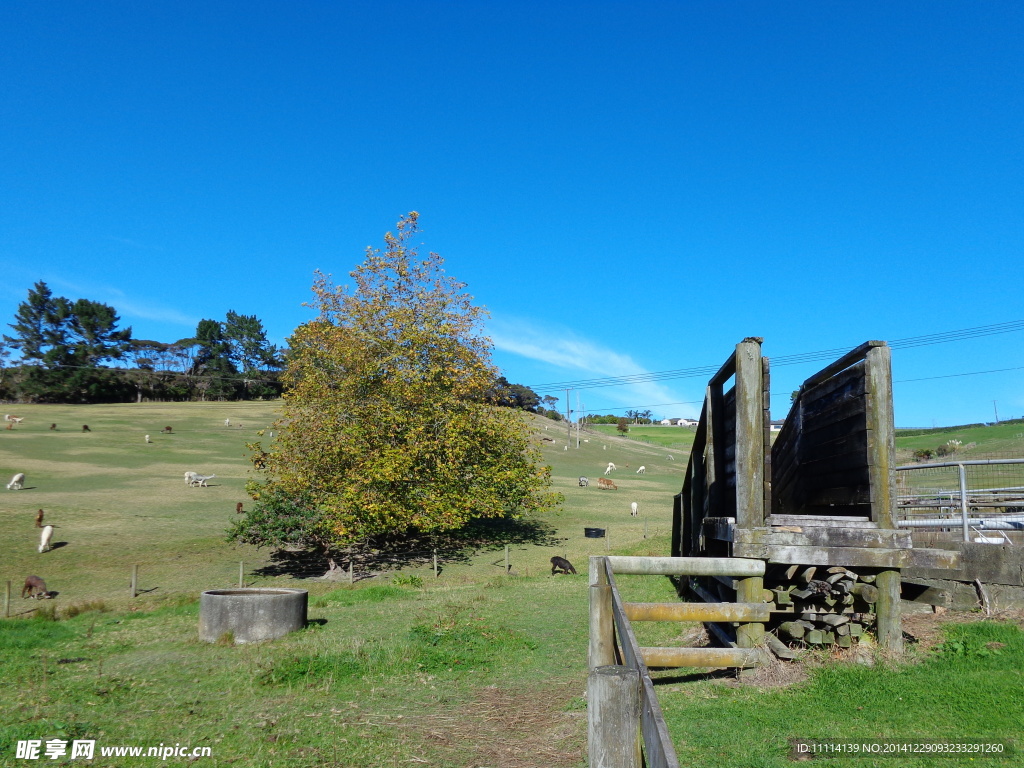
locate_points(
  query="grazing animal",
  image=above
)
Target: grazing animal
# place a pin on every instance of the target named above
(238, 508)
(610, 468)
(17, 420)
(39, 519)
(634, 509)
(53, 426)
(670, 457)
(227, 422)
(44, 540)
(603, 482)
(584, 482)
(166, 430)
(561, 565)
(7, 417)
(200, 480)
(148, 440)
(641, 470)
(17, 482)
(35, 587)
(189, 477)
(85, 428)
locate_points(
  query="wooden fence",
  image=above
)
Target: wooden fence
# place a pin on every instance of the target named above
(613, 708)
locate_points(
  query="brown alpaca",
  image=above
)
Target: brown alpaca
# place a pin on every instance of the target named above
(34, 587)
(238, 508)
(39, 519)
(53, 426)
(168, 430)
(85, 428)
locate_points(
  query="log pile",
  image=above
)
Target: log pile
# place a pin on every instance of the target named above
(825, 606)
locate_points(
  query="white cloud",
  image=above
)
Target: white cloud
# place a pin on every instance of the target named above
(564, 349)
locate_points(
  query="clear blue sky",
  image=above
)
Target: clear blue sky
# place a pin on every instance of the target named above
(628, 187)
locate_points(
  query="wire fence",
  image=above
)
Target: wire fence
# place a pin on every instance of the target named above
(979, 499)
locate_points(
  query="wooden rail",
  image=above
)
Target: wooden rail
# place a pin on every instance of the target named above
(613, 643)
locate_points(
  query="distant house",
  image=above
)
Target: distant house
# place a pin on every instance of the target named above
(666, 422)
(687, 423)
(777, 425)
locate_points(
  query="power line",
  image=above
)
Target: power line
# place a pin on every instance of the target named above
(783, 360)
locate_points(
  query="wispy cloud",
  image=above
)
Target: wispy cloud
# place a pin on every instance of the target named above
(567, 350)
(127, 308)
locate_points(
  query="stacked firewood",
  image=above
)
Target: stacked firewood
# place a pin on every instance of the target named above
(829, 606)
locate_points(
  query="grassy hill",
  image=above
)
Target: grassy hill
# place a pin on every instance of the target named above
(477, 667)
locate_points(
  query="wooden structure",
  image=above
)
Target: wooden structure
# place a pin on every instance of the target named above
(614, 649)
(816, 507)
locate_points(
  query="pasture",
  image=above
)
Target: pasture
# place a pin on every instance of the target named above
(474, 668)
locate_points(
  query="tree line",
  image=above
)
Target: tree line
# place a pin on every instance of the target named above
(75, 352)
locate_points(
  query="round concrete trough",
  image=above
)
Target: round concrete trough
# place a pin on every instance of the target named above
(251, 615)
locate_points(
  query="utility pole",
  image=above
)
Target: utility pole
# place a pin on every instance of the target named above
(568, 419)
(996, 410)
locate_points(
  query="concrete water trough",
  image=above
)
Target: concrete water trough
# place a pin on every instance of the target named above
(251, 615)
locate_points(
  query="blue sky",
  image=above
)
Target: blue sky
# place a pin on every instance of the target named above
(627, 187)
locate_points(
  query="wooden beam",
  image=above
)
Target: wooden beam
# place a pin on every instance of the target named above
(686, 566)
(700, 657)
(698, 611)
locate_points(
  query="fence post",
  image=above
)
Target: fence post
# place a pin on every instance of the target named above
(602, 627)
(887, 612)
(241, 574)
(7, 601)
(748, 590)
(613, 717)
(135, 580)
(506, 559)
(435, 563)
(963, 501)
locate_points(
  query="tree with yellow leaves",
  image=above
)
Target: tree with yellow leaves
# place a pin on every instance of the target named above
(386, 427)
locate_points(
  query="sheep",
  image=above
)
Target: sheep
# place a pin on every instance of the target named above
(35, 587)
(610, 468)
(561, 565)
(634, 509)
(641, 470)
(44, 540)
(39, 519)
(148, 440)
(200, 480)
(17, 482)
(85, 428)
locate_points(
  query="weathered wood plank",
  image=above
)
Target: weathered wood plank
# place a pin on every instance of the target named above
(686, 566)
(865, 557)
(698, 611)
(700, 657)
(818, 536)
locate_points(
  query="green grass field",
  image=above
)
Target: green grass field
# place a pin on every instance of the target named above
(474, 668)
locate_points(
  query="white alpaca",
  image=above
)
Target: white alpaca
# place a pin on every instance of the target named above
(44, 541)
(641, 470)
(200, 480)
(17, 482)
(633, 509)
(148, 440)
(189, 477)
(610, 468)
(227, 422)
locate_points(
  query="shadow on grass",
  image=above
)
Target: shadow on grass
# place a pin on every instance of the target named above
(394, 553)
